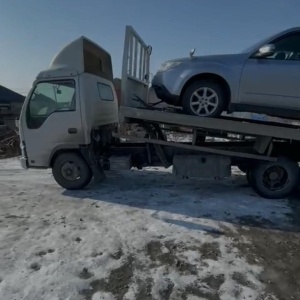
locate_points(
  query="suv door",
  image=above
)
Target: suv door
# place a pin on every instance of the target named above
(273, 81)
(52, 120)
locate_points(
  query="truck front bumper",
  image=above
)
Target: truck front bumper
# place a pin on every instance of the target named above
(23, 162)
(23, 159)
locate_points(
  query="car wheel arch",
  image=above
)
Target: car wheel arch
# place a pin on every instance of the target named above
(207, 76)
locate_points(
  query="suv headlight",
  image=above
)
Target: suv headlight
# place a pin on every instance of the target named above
(168, 65)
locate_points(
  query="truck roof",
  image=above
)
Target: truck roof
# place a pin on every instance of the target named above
(80, 56)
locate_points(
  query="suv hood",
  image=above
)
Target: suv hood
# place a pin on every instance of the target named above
(207, 58)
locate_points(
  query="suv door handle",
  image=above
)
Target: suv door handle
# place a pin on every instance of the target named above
(72, 130)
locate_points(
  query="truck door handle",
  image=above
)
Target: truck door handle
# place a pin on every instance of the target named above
(72, 130)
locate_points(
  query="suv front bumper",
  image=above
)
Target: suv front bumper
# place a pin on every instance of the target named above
(163, 94)
(164, 86)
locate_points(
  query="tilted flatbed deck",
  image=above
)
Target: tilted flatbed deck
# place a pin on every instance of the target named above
(269, 157)
(228, 125)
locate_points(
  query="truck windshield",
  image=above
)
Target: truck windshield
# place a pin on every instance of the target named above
(50, 97)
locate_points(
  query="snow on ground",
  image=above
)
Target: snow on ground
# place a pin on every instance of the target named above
(138, 235)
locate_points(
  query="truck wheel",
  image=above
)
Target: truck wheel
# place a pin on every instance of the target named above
(275, 180)
(71, 171)
(204, 99)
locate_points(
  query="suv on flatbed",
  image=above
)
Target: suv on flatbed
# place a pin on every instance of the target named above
(263, 79)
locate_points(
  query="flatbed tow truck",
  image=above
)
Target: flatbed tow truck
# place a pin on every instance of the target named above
(70, 122)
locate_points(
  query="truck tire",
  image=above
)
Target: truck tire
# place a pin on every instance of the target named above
(204, 98)
(71, 171)
(275, 180)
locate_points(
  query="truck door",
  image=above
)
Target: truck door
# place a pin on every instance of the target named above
(50, 120)
(135, 70)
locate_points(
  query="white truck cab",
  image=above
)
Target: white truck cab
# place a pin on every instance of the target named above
(68, 101)
(69, 116)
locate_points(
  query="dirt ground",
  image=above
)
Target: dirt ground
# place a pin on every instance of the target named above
(145, 235)
(278, 252)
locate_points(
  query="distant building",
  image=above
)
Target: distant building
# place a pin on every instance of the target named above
(10, 101)
(10, 106)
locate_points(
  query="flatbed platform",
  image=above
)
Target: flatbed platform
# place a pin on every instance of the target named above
(224, 124)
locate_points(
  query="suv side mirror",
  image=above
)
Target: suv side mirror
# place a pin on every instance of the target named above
(265, 51)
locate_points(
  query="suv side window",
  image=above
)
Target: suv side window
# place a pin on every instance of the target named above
(287, 47)
(47, 98)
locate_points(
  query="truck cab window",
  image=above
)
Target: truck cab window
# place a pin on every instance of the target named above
(50, 97)
(105, 92)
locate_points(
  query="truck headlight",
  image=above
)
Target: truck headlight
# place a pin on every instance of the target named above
(168, 65)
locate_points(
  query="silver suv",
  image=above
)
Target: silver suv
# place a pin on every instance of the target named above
(264, 78)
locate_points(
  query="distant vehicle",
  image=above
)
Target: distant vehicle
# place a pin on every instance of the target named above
(263, 79)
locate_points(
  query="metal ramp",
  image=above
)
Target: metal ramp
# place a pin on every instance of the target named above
(135, 69)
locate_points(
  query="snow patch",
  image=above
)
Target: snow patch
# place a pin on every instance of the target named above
(145, 232)
(103, 296)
